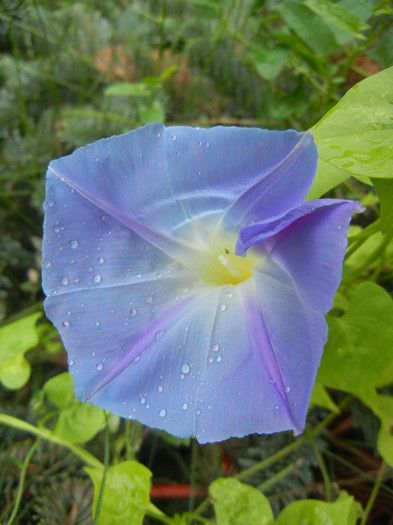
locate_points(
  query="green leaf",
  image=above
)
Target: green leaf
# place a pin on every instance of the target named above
(238, 504)
(382, 406)
(384, 189)
(338, 16)
(126, 493)
(326, 178)
(60, 390)
(15, 339)
(356, 135)
(154, 112)
(308, 26)
(268, 62)
(344, 511)
(79, 423)
(320, 397)
(358, 350)
(128, 89)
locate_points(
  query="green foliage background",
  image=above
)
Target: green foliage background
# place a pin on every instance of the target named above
(73, 72)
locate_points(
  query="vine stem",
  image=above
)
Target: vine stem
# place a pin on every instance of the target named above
(43, 433)
(22, 481)
(374, 492)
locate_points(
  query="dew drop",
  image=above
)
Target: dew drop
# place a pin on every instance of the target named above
(97, 323)
(210, 360)
(68, 312)
(215, 347)
(149, 299)
(276, 407)
(64, 281)
(158, 274)
(74, 244)
(101, 260)
(76, 279)
(160, 388)
(197, 412)
(162, 413)
(223, 307)
(218, 358)
(133, 312)
(174, 137)
(138, 275)
(184, 406)
(89, 268)
(47, 264)
(97, 278)
(158, 135)
(66, 324)
(142, 400)
(287, 389)
(50, 203)
(71, 363)
(56, 229)
(99, 367)
(159, 335)
(185, 368)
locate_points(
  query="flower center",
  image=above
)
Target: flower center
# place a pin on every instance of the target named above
(221, 266)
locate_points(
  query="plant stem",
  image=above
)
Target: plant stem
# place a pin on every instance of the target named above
(374, 492)
(22, 482)
(43, 433)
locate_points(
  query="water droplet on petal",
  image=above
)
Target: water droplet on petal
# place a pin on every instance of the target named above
(71, 363)
(64, 281)
(47, 264)
(160, 388)
(66, 324)
(138, 275)
(90, 269)
(276, 407)
(76, 279)
(133, 312)
(159, 335)
(74, 244)
(218, 358)
(142, 400)
(215, 347)
(210, 360)
(97, 278)
(162, 413)
(174, 137)
(223, 307)
(50, 203)
(287, 389)
(149, 299)
(101, 260)
(97, 323)
(229, 294)
(185, 368)
(184, 406)
(99, 367)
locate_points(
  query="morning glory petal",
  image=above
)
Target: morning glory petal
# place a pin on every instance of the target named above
(162, 320)
(309, 243)
(182, 175)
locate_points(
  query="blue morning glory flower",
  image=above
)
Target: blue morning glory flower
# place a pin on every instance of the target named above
(189, 279)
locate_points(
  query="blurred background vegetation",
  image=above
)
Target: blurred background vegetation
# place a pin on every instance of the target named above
(73, 72)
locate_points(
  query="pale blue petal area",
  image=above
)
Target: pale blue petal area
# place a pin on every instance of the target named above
(86, 248)
(160, 181)
(309, 245)
(205, 367)
(296, 333)
(282, 187)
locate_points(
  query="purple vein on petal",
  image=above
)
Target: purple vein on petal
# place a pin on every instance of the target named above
(141, 345)
(171, 246)
(241, 208)
(260, 334)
